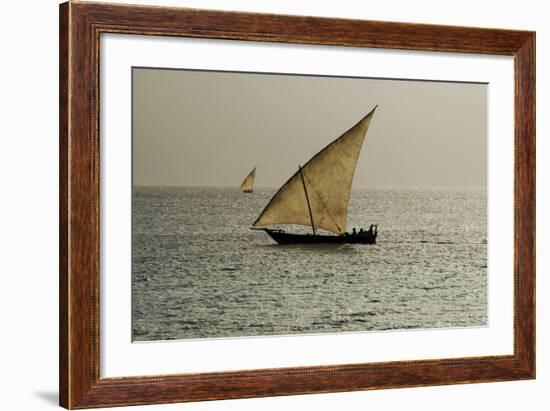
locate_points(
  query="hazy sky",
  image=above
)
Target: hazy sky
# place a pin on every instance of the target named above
(212, 128)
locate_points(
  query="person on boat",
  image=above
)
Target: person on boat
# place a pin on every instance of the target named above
(354, 232)
(374, 230)
(361, 231)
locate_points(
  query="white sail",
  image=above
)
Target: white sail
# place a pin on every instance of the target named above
(248, 183)
(327, 178)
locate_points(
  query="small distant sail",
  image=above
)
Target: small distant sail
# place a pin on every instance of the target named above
(318, 194)
(248, 184)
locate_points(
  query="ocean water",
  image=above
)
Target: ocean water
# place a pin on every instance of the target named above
(198, 271)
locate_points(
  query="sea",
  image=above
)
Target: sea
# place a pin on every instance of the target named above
(199, 271)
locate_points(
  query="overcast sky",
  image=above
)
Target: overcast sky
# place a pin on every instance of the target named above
(212, 128)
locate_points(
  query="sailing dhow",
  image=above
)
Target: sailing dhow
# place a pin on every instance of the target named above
(318, 195)
(248, 184)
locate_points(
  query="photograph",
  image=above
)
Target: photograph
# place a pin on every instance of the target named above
(276, 204)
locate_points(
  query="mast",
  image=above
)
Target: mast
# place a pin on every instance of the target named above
(307, 199)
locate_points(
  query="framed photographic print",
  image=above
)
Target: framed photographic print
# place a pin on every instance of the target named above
(257, 205)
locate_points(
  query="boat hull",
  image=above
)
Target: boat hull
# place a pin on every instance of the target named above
(282, 237)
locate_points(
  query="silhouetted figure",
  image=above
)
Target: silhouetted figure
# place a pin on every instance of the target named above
(354, 232)
(361, 232)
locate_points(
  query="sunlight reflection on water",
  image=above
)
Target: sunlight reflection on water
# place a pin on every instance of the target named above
(199, 271)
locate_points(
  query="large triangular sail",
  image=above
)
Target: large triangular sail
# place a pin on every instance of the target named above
(248, 183)
(327, 180)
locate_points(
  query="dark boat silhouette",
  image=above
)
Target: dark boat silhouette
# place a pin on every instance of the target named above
(318, 195)
(282, 237)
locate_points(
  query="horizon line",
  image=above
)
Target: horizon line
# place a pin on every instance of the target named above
(274, 187)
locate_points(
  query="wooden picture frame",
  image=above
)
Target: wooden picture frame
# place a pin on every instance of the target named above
(80, 27)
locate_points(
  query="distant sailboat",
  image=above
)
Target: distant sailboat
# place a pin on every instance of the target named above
(318, 194)
(248, 184)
